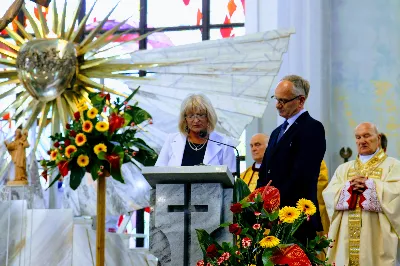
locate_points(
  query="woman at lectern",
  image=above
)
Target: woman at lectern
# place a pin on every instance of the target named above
(193, 145)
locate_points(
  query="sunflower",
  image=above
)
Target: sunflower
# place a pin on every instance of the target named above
(83, 160)
(53, 154)
(306, 206)
(288, 214)
(99, 148)
(269, 242)
(102, 126)
(87, 126)
(80, 139)
(92, 113)
(70, 150)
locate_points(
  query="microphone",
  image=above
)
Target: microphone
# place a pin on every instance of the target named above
(203, 134)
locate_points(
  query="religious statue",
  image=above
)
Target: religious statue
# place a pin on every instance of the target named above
(16, 149)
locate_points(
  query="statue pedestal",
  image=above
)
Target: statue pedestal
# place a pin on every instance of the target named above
(15, 192)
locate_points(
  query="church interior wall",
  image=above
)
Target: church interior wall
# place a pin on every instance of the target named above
(349, 51)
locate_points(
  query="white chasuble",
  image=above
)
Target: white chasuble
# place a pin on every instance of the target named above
(365, 227)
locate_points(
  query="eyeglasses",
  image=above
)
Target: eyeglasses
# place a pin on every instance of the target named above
(198, 116)
(285, 101)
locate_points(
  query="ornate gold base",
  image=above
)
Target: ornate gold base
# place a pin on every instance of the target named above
(13, 183)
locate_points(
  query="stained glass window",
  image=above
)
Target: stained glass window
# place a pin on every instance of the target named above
(126, 9)
(226, 11)
(162, 13)
(173, 38)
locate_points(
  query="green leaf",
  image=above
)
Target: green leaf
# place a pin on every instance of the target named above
(95, 167)
(116, 174)
(102, 155)
(55, 180)
(138, 114)
(97, 101)
(245, 204)
(225, 224)
(240, 190)
(127, 119)
(148, 156)
(266, 257)
(141, 144)
(205, 240)
(77, 173)
(273, 215)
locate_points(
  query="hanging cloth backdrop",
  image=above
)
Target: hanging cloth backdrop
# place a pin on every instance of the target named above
(235, 73)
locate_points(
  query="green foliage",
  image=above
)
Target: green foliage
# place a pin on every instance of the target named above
(260, 234)
(116, 132)
(240, 190)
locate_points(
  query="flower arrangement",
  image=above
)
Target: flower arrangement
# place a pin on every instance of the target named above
(99, 140)
(263, 232)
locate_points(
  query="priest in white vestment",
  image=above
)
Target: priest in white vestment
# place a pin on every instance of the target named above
(363, 204)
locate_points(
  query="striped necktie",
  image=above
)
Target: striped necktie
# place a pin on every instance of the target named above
(283, 128)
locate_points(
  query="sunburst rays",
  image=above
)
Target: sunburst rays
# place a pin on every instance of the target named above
(90, 64)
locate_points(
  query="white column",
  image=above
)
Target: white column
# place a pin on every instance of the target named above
(308, 54)
(261, 15)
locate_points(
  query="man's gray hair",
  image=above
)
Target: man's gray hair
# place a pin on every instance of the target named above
(301, 85)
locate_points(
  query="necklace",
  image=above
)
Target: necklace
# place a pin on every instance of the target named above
(196, 147)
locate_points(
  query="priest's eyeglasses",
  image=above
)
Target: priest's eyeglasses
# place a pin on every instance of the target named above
(198, 116)
(285, 101)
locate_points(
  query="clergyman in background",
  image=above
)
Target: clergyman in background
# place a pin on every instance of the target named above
(258, 144)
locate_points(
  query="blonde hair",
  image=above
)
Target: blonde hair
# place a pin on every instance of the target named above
(197, 103)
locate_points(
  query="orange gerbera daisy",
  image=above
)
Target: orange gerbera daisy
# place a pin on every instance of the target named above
(83, 160)
(87, 126)
(70, 150)
(92, 113)
(80, 139)
(99, 148)
(102, 126)
(306, 206)
(53, 154)
(289, 214)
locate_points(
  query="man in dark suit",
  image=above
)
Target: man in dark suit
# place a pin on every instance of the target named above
(295, 151)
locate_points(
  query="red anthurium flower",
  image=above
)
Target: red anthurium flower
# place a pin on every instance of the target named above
(270, 196)
(63, 168)
(115, 122)
(67, 126)
(44, 174)
(107, 95)
(290, 255)
(113, 159)
(72, 133)
(56, 144)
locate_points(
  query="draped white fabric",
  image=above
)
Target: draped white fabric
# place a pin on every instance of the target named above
(235, 73)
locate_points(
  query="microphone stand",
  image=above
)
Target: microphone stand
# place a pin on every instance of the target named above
(237, 155)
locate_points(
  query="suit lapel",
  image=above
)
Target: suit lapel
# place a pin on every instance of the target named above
(178, 148)
(212, 148)
(287, 135)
